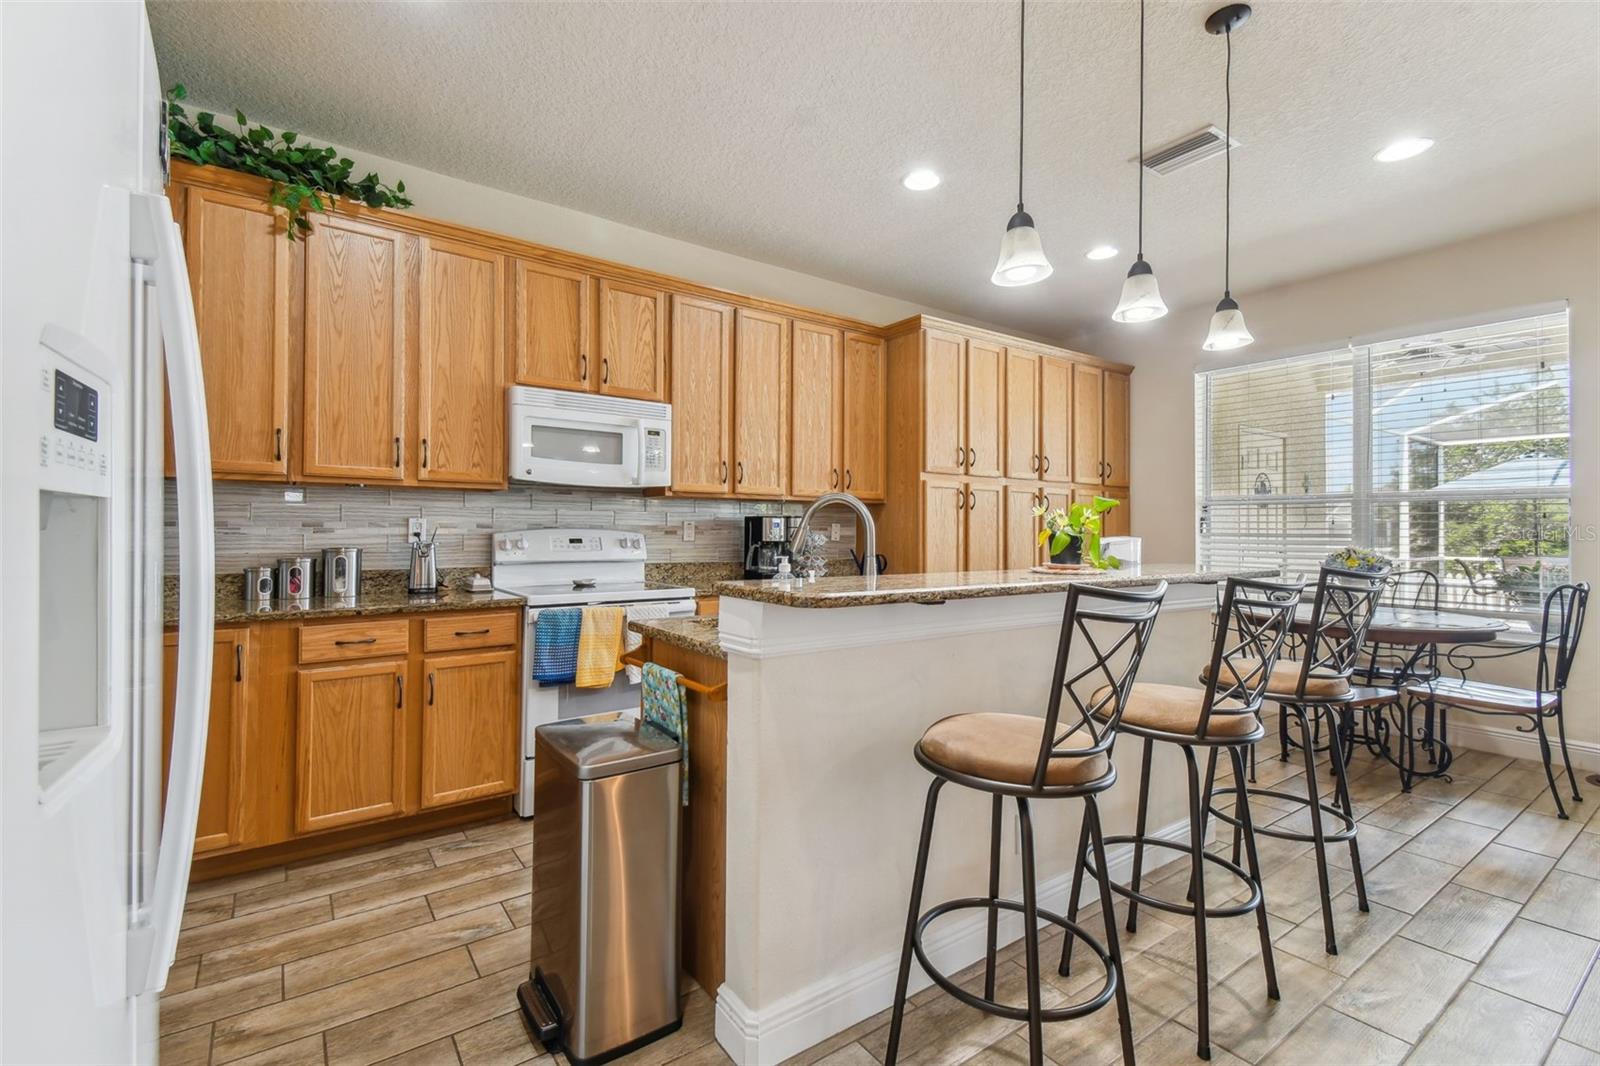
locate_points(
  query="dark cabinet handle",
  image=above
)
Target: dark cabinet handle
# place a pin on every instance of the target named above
(847, 478)
(835, 482)
(1108, 471)
(399, 691)
(397, 453)
(1046, 464)
(238, 662)
(472, 632)
(740, 466)
(724, 471)
(1035, 462)
(961, 500)
(344, 643)
(972, 457)
(277, 444)
(424, 453)
(961, 456)
(972, 501)
(605, 371)
(583, 367)
(430, 688)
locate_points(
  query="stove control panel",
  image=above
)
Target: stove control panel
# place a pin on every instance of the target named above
(564, 545)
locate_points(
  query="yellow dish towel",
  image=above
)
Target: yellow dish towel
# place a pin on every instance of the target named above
(600, 646)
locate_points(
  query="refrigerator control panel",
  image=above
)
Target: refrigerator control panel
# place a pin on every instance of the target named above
(75, 445)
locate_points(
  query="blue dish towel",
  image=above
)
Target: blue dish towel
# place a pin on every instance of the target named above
(662, 704)
(555, 645)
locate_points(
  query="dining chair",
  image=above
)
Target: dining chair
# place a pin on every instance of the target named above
(1393, 665)
(1559, 632)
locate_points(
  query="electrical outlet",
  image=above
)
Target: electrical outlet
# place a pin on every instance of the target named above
(294, 495)
(688, 531)
(417, 527)
(833, 531)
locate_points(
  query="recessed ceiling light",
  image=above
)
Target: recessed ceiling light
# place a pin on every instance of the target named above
(920, 180)
(1404, 148)
(1100, 251)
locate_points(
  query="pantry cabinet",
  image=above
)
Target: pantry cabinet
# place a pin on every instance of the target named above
(865, 373)
(1100, 418)
(461, 365)
(1022, 414)
(218, 823)
(702, 392)
(550, 321)
(760, 403)
(985, 394)
(1055, 419)
(470, 742)
(963, 525)
(1022, 547)
(633, 345)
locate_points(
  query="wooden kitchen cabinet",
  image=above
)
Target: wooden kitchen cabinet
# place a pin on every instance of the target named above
(239, 275)
(985, 394)
(1100, 420)
(550, 321)
(760, 403)
(944, 511)
(349, 743)
(218, 825)
(470, 726)
(702, 391)
(354, 377)
(1055, 419)
(1114, 419)
(985, 525)
(944, 403)
(814, 406)
(865, 373)
(633, 347)
(1117, 522)
(461, 365)
(1022, 548)
(1022, 414)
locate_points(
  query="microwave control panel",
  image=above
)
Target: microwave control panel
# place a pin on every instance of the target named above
(655, 450)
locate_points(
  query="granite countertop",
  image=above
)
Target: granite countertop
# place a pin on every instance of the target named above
(382, 592)
(702, 577)
(976, 584)
(700, 635)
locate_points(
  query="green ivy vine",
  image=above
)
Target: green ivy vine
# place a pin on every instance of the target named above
(304, 177)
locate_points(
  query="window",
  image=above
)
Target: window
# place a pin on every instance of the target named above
(1446, 452)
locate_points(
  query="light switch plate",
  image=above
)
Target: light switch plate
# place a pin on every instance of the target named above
(294, 495)
(688, 531)
(833, 531)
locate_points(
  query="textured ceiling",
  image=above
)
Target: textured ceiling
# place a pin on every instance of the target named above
(779, 131)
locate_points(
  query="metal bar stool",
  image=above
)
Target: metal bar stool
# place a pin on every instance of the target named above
(1064, 755)
(1318, 689)
(1254, 620)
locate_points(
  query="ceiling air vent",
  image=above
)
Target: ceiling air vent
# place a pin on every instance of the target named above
(1186, 150)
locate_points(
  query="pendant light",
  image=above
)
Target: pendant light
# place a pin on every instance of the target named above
(1228, 330)
(1141, 296)
(1022, 260)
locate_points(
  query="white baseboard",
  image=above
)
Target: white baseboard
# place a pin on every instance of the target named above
(838, 1001)
(1468, 731)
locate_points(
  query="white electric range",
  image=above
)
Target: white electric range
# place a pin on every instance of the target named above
(576, 568)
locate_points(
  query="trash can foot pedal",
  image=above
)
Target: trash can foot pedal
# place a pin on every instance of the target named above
(545, 1024)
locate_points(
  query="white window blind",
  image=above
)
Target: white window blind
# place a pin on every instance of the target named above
(1447, 452)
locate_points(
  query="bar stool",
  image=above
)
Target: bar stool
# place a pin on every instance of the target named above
(1314, 690)
(1064, 755)
(1252, 624)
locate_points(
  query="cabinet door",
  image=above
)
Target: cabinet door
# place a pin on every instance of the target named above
(865, 376)
(1114, 416)
(944, 431)
(986, 371)
(460, 366)
(1055, 419)
(814, 410)
(470, 719)
(702, 372)
(1022, 528)
(1118, 520)
(354, 388)
(239, 274)
(985, 535)
(760, 404)
(550, 326)
(944, 515)
(1022, 414)
(1088, 463)
(349, 744)
(633, 349)
(218, 824)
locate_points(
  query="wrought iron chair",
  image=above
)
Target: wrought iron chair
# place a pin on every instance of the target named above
(1393, 665)
(1224, 715)
(1559, 632)
(1064, 755)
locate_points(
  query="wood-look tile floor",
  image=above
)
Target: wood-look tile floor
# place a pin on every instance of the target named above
(1480, 947)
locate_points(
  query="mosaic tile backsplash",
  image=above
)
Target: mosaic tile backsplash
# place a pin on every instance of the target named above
(255, 525)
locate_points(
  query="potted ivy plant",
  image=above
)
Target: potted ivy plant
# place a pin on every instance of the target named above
(1073, 533)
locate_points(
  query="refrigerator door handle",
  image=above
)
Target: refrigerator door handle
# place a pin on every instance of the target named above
(154, 938)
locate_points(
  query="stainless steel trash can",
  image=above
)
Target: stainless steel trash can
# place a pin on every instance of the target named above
(603, 979)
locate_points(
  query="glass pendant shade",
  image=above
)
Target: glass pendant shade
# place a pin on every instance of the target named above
(1141, 296)
(1022, 260)
(1228, 330)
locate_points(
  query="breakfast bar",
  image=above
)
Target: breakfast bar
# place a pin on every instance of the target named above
(830, 685)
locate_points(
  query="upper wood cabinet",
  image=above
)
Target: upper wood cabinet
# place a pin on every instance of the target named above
(633, 348)
(1115, 416)
(470, 726)
(1055, 419)
(550, 322)
(760, 403)
(944, 402)
(865, 375)
(219, 823)
(1100, 419)
(349, 744)
(702, 375)
(986, 370)
(814, 406)
(239, 274)
(354, 398)
(461, 365)
(1022, 414)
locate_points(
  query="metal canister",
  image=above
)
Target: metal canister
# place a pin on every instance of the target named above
(259, 581)
(341, 574)
(294, 580)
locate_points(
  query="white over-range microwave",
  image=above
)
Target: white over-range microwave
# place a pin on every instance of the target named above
(578, 438)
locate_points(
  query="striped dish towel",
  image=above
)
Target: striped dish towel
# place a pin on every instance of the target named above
(663, 705)
(600, 646)
(555, 645)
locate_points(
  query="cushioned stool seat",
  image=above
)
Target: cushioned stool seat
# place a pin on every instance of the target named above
(1284, 684)
(1005, 747)
(1175, 709)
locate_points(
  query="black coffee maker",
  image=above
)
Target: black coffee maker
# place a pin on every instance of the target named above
(766, 541)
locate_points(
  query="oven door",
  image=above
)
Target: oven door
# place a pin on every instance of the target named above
(597, 451)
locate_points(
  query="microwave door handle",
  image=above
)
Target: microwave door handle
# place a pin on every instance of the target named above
(153, 939)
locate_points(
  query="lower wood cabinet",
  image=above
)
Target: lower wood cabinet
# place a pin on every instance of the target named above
(218, 823)
(349, 744)
(1022, 548)
(963, 524)
(469, 727)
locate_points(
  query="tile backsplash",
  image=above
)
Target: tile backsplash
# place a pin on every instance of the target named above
(255, 525)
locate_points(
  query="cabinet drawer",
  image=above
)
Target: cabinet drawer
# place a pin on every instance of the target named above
(458, 631)
(355, 640)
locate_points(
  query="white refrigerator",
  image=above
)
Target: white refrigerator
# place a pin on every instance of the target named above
(96, 312)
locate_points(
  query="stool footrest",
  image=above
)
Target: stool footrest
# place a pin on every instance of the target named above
(1347, 824)
(1232, 910)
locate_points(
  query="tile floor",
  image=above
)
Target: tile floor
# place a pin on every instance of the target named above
(1480, 947)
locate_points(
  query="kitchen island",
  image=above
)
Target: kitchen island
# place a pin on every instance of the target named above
(830, 685)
